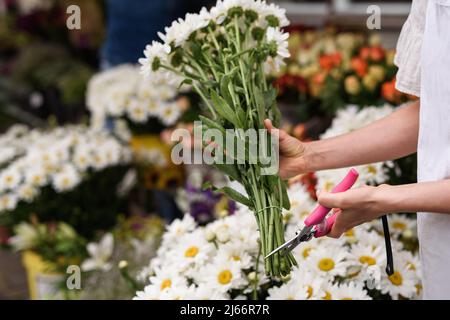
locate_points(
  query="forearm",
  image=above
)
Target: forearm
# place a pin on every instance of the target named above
(417, 197)
(392, 137)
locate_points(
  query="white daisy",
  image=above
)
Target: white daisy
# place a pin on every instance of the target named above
(347, 291)
(328, 261)
(222, 275)
(8, 202)
(288, 291)
(66, 179)
(10, 179)
(169, 113)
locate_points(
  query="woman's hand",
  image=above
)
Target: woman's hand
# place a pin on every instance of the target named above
(353, 207)
(292, 152)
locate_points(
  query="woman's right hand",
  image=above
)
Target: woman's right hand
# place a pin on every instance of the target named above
(292, 151)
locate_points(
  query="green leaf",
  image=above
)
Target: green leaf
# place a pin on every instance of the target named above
(260, 104)
(211, 124)
(285, 197)
(223, 109)
(230, 170)
(233, 194)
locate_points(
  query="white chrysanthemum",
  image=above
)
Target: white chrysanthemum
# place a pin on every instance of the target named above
(206, 292)
(123, 92)
(365, 256)
(166, 278)
(66, 179)
(27, 192)
(235, 252)
(150, 292)
(328, 261)
(10, 179)
(222, 275)
(169, 113)
(304, 279)
(401, 284)
(279, 39)
(156, 50)
(178, 293)
(347, 291)
(192, 250)
(401, 224)
(178, 228)
(288, 291)
(8, 202)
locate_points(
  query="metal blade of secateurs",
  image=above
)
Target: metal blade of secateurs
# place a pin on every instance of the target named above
(291, 244)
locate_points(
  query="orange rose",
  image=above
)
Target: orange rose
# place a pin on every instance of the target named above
(377, 53)
(326, 62)
(359, 66)
(389, 92)
(364, 53)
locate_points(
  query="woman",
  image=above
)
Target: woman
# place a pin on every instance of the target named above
(423, 58)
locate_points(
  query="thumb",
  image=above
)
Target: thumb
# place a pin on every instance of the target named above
(329, 200)
(281, 134)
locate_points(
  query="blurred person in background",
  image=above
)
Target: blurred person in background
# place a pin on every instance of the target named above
(133, 24)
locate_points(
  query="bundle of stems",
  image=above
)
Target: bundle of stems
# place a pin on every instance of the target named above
(225, 55)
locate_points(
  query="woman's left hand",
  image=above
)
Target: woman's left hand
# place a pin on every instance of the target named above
(353, 207)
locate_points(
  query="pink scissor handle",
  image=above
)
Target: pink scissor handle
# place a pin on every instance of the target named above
(325, 227)
(320, 212)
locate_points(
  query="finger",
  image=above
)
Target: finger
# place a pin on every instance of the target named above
(338, 229)
(281, 134)
(329, 200)
(268, 124)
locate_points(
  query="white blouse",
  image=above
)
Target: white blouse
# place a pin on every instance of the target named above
(409, 48)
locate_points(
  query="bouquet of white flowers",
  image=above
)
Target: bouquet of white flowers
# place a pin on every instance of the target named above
(48, 172)
(120, 93)
(224, 54)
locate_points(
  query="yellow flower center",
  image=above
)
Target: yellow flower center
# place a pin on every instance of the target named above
(191, 252)
(399, 225)
(236, 258)
(350, 233)
(327, 296)
(418, 288)
(328, 186)
(310, 292)
(411, 266)
(367, 260)
(396, 279)
(167, 283)
(225, 277)
(306, 252)
(9, 179)
(5, 201)
(371, 169)
(346, 298)
(37, 179)
(326, 264)
(66, 182)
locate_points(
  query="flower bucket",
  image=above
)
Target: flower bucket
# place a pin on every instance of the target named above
(42, 283)
(158, 176)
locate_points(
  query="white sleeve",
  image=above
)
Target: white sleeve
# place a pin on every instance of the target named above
(409, 48)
